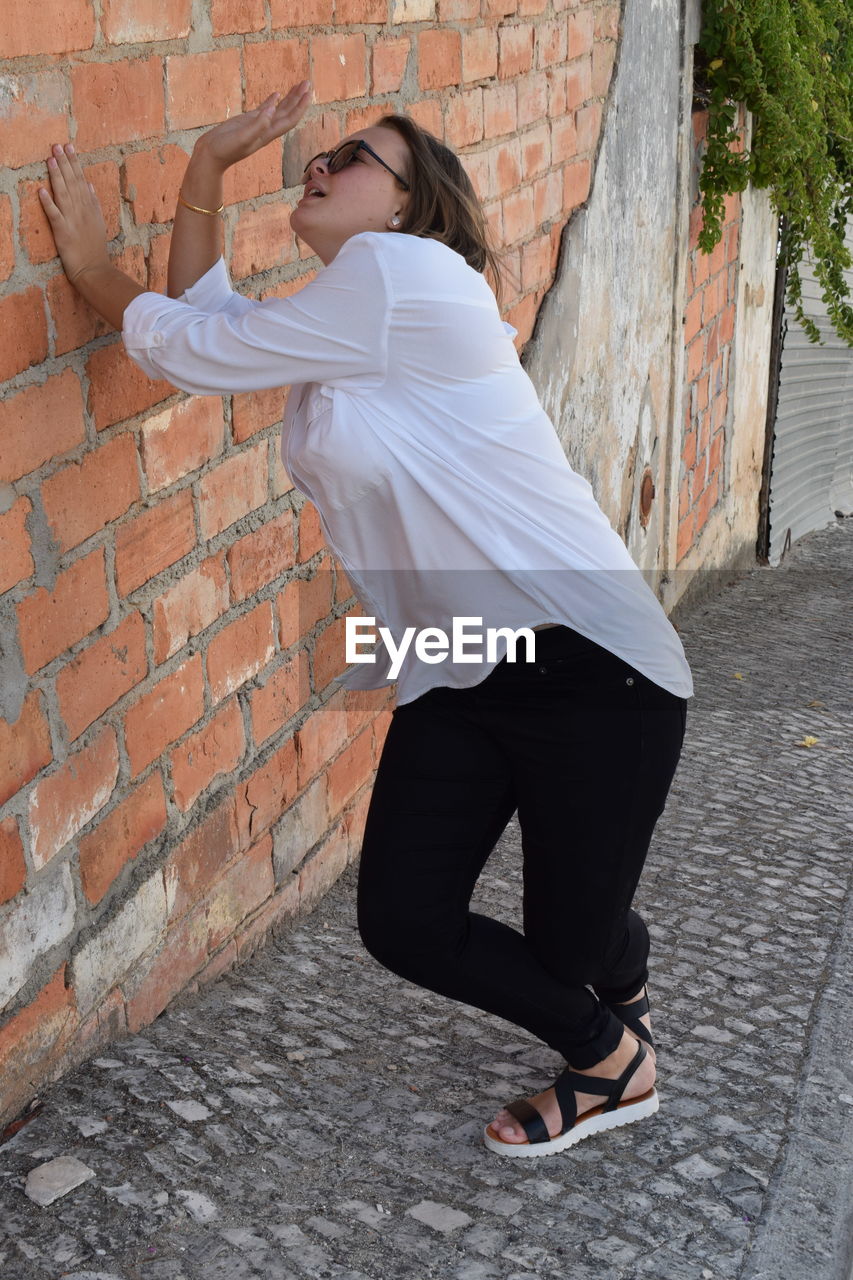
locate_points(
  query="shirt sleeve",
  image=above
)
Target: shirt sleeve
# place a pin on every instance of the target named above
(334, 331)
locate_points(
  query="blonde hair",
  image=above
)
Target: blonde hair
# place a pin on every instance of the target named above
(443, 204)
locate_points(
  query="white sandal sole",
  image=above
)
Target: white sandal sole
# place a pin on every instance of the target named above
(625, 1113)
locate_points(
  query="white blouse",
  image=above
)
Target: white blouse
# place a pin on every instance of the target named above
(439, 479)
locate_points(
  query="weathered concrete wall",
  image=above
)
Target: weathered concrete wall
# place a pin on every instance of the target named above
(601, 353)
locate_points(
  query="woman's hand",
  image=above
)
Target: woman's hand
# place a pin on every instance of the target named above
(74, 214)
(243, 135)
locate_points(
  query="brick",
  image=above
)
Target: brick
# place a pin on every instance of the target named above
(24, 746)
(388, 60)
(23, 324)
(200, 858)
(112, 954)
(350, 771)
(499, 8)
(364, 117)
(308, 13)
(324, 867)
(39, 423)
(603, 58)
(581, 33)
(13, 867)
(84, 497)
(65, 801)
(75, 322)
(338, 67)
(552, 42)
(163, 714)
(7, 245)
(706, 502)
(116, 840)
(203, 88)
(274, 65)
(252, 411)
(329, 652)
(117, 102)
(263, 240)
(519, 221)
(51, 621)
(159, 978)
(154, 540)
(96, 679)
(564, 139)
(262, 798)
(350, 13)
(240, 650)
(480, 169)
(140, 21)
(60, 26)
(535, 262)
(548, 198)
(214, 750)
(588, 122)
(35, 235)
(237, 17)
(301, 605)
(426, 113)
(151, 181)
(500, 111)
(532, 91)
(310, 532)
(118, 388)
(515, 54)
(258, 175)
(463, 118)
(578, 83)
(695, 358)
(34, 113)
(414, 11)
(535, 151)
(479, 54)
(280, 696)
(190, 606)
(320, 739)
(522, 317)
(439, 58)
(260, 557)
(576, 181)
(34, 1039)
(180, 439)
(239, 893)
(158, 261)
(16, 562)
(233, 489)
(531, 8)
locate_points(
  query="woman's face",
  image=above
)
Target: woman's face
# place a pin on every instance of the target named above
(363, 196)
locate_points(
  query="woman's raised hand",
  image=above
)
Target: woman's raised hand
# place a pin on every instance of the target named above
(74, 214)
(243, 135)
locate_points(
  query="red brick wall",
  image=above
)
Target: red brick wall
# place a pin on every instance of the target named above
(709, 325)
(173, 616)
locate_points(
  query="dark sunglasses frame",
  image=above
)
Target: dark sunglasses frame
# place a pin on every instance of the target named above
(357, 144)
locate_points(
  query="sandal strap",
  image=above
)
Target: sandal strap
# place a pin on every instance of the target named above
(570, 1081)
(630, 1014)
(530, 1119)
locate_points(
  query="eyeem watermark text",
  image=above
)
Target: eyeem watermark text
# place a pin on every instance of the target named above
(432, 643)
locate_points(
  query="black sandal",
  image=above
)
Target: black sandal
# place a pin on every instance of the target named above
(631, 1013)
(609, 1115)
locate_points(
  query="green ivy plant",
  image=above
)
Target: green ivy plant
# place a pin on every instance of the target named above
(790, 62)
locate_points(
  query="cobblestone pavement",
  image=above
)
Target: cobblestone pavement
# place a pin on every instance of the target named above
(311, 1115)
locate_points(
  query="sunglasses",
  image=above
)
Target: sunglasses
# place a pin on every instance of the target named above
(344, 155)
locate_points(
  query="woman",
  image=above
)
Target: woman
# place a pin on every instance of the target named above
(444, 491)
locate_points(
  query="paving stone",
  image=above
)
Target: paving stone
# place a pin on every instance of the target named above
(274, 1126)
(47, 1182)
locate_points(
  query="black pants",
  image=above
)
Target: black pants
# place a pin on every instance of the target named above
(585, 748)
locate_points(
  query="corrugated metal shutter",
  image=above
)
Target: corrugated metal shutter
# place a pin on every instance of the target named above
(812, 468)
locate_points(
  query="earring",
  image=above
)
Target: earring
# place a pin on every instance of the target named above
(395, 222)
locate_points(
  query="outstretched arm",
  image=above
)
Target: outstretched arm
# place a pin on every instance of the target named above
(78, 226)
(197, 237)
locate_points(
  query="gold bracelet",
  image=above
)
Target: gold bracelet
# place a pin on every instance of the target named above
(211, 213)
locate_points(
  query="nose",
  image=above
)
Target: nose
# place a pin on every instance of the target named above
(319, 163)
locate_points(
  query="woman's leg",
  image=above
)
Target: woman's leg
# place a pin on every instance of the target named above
(594, 747)
(443, 794)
